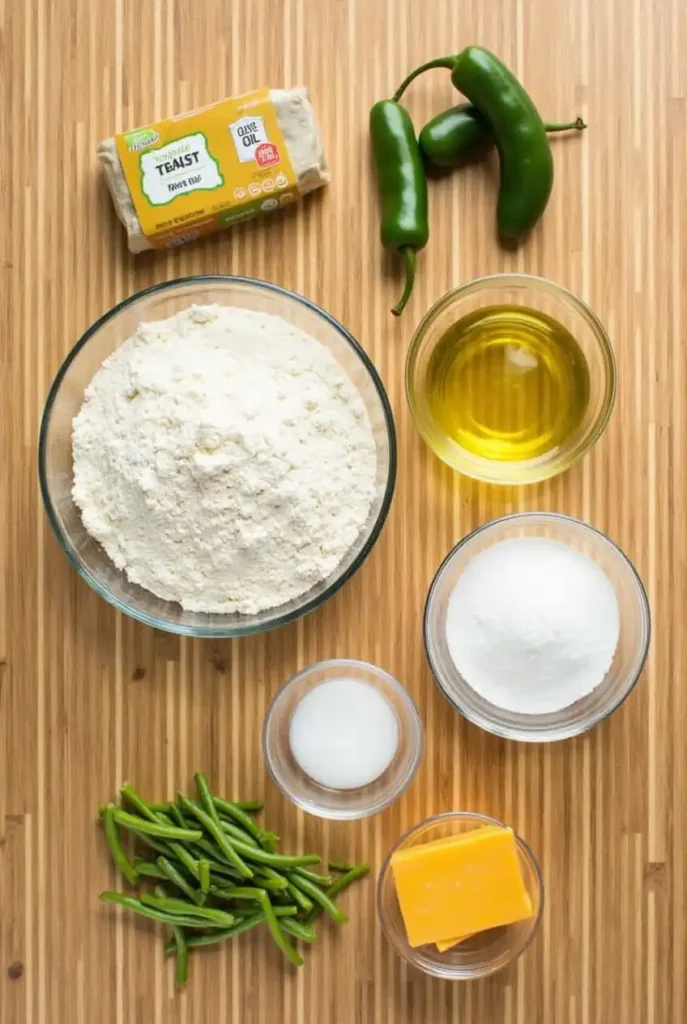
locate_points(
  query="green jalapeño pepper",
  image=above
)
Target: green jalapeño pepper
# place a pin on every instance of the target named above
(402, 187)
(526, 160)
(461, 132)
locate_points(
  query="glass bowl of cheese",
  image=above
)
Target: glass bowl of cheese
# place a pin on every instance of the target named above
(460, 896)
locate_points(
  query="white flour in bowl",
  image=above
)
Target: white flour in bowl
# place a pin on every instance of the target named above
(224, 460)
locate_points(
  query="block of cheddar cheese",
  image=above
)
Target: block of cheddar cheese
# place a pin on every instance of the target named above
(445, 944)
(460, 885)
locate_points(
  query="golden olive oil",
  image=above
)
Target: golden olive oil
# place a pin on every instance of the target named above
(507, 383)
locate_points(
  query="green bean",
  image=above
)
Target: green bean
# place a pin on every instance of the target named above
(301, 899)
(154, 828)
(154, 844)
(147, 869)
(261, 897)
(165, 807)
(272, 881)
(175, 811)
(280, 898)
(270, 841)
(221, 867)
(115, 847)
(276, 860)
(275, 885)
(269, 872)
(299, 930)
(219, 935)
(238, 833)
(179, 881)
(243, 819)
(319, 897)
(204, 875)
(254, 806)
(339, 885)
(129, 794)
(352, 875)
(174, 906)
(265, 877)
(166, 819)
(218, 867)
(339, 865)
(216, 857)
(179, 851)
(182, 955)
(218, 835)
(289, 911)
(243, 892)
(206, 796)
(313, 876)
(276, 931)
(185, 858)
(156, 915)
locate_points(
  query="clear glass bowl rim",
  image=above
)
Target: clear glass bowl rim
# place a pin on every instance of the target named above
(337, 582)
(507, 732)
(451, 816)
(413, 713)
(535, 282)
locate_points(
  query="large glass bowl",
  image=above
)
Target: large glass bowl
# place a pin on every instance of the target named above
(628, 660)
(65, 399)
(544, 297)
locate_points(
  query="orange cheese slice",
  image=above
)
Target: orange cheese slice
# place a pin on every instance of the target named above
(447, 943)
(451, 840)
(460, 885)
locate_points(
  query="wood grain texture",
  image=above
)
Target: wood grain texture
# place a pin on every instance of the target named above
(88, 698)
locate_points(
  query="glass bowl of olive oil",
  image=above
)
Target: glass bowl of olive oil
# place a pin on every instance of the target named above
(510, 379)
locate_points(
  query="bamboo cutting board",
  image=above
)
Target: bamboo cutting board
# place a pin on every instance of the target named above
(88, 698)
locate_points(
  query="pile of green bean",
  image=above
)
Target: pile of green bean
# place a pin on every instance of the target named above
(218, 873)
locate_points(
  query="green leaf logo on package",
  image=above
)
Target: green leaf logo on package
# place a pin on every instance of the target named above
(140, 138)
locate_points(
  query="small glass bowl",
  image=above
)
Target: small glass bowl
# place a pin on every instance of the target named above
(628, 660)
(311, 796)
(545, 297)
(484, 953)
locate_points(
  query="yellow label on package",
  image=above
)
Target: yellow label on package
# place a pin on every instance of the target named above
(193, 174)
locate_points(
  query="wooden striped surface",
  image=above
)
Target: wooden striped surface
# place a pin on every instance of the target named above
(88, 698)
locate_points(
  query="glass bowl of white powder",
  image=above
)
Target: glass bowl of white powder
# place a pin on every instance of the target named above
(342, 739)
(217, 456)
(537, 627)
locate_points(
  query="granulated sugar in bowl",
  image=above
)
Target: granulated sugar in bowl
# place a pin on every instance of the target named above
(536, 626)
(532, 625)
